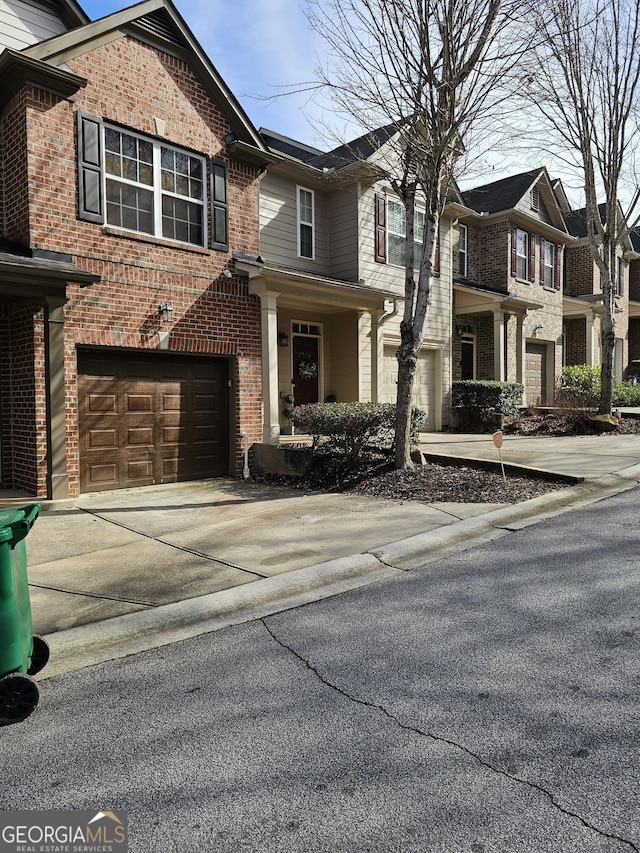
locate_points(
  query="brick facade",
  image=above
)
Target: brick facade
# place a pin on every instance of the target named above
(130, 84)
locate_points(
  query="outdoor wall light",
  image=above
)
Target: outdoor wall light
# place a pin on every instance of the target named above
(537, 329)
(283, 339)
(165, 312)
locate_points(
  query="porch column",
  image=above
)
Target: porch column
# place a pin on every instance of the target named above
(270, 400)
(57, 476)
(590, 356)
(377, 355)
(438, 401)
(498, 346)
(521, 345)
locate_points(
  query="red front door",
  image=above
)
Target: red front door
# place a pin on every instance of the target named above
(306, 369)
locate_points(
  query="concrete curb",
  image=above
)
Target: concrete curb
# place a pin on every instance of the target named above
(131, 633)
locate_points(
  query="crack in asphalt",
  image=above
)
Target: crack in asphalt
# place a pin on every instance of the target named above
(443, 740)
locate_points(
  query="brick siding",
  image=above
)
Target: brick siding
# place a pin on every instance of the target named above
(131, 83)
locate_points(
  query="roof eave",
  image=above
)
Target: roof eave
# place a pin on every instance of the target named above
(18, 71)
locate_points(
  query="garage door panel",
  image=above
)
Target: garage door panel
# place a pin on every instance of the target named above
(102, 438)
(171, 402)
(137, 436)
(149, 403)
(139, 403)
(141, 469)
(424, 383)
(104, 475)
(535, 373)
(102, 404)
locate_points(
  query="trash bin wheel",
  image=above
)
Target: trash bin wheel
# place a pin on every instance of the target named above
(19, 697)
(39, 656)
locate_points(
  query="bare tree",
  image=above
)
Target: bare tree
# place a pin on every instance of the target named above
(584, 79)
(430, 72)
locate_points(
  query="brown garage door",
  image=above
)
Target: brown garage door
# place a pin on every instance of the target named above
(536, 374)
(148, 418)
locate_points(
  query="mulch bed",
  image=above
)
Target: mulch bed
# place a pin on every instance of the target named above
(433, 482)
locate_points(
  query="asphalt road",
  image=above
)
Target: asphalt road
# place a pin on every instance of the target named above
(488, 702)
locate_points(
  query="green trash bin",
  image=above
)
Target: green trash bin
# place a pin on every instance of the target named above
(22, 654)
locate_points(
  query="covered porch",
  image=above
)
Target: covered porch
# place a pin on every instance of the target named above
(322, 340)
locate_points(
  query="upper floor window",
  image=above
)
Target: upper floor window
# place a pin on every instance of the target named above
(522, 254)
(306, 223)
(462, 249)
(620, 265)
(146, 186)
(548, 257)
(397, 234)
(153, 188)
(550, 264)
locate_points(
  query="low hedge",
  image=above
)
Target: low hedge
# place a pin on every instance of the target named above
(349, 429)
(487, 396)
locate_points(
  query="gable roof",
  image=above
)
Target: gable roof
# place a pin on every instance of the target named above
(345, 155)
(577, 220)
(500, 195)
(158, 23)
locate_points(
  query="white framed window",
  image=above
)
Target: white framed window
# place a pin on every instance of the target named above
(620, 266)
(521, 254)
(306, 223)
(462, 249)
(154, 188)
(397, 233)
(548, 263)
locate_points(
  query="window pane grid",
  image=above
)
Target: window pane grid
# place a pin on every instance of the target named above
(549, 264)
(397, 234)
(305, 223)
(522, 254)
(134, 183)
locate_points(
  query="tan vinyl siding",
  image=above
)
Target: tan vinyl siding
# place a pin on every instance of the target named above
(343, 228)
(345, 349)
(279, 226)
(23, 24)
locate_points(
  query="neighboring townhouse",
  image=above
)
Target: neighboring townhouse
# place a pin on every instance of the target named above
(130, 350)
(507, 285)
(634, 300)
(331, 280)
(583, 302)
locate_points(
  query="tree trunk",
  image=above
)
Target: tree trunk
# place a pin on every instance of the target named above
(608, 342)
(407, 364)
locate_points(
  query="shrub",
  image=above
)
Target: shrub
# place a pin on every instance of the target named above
(626, 394)
(348, 429)
(579, 386)
(487, 396)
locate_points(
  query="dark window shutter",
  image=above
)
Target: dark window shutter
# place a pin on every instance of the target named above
(90, 200)
(543, 246)
(219, 190)
(532, 257)
(436, 259)
(380, 229)
(557, 278)
(514, 252)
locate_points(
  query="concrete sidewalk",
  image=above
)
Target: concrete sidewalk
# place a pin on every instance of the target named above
(116, 572)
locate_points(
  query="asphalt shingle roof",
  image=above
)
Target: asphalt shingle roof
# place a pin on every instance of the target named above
(344, 155)
(500, 195)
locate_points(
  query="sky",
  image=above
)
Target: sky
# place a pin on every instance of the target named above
(261, 47)
(257, 47)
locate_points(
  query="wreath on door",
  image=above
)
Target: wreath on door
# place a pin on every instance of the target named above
(307, 367)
